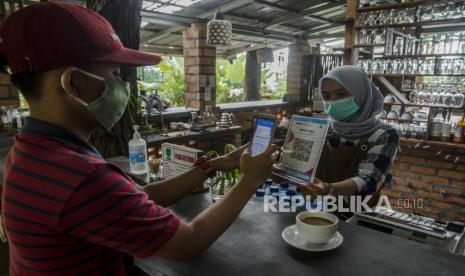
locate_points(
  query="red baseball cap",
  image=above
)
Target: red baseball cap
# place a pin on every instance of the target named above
(49, 35)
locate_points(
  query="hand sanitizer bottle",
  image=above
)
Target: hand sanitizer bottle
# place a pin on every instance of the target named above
(138, 153)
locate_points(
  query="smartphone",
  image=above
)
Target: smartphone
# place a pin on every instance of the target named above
(264, 130)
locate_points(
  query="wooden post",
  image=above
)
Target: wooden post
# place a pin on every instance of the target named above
(252, 77)
(350, 53)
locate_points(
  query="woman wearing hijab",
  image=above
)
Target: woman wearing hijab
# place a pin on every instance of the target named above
(360, 149)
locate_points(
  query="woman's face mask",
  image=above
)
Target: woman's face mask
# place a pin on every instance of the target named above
(110, 106)
(342, 109)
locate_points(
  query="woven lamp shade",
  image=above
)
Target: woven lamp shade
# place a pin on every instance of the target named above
(219, 31)
(265, 55)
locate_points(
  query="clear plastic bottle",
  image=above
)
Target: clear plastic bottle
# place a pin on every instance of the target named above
(138, 153)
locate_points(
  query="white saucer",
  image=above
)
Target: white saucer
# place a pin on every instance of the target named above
(291, 236)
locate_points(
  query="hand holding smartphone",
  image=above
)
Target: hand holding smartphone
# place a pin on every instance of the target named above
(264, 130)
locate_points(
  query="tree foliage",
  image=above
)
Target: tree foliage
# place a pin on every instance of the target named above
(168, 78)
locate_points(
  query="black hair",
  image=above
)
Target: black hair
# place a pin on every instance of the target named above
(29, 83)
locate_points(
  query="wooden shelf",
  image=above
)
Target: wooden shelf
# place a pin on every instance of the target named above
(414, 24)
(416, 75)
(403, 120)
(439, 144)
(426, 105)
(397, 5)
(419, 56)
(367, 45)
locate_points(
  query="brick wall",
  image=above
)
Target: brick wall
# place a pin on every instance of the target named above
(297, 72)
(439, 183)
(199, 68)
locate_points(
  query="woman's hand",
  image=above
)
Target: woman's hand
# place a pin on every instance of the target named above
(230, 161)
(316, 188)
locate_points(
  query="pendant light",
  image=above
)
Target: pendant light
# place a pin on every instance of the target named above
(265, 54)
(219, 31)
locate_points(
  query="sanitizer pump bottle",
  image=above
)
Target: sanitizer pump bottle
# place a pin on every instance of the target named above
(138, 153)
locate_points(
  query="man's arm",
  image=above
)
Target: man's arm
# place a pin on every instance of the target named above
(171, 190)
(193, 238)
(167, 192)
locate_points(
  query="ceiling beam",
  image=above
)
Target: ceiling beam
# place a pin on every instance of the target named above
(325, 36)
(279, 7)
(183, 20)
(276, 6)
(231, 5)
(305, 13)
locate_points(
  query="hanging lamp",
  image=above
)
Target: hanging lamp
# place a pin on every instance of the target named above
(219, 31)
(265, 54)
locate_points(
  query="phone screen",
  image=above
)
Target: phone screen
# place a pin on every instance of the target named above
(262, 136)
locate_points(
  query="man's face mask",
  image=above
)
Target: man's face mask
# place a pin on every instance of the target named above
(110, 106)
(341, 109)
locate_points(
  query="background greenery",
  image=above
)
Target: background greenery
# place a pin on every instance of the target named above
(168, 79)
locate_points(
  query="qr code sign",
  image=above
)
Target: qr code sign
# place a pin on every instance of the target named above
(302, 149)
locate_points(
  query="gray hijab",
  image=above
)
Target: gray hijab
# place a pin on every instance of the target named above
(367, 97)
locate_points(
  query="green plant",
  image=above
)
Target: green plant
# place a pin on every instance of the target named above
(223, 180)
(167, 78)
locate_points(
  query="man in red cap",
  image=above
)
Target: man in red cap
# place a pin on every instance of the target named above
(67, 211)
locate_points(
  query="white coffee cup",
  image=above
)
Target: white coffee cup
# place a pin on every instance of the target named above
(316, 234)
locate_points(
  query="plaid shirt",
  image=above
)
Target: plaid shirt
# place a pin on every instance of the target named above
(374, 170)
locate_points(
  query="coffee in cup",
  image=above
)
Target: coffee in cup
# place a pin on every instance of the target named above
(316, 227)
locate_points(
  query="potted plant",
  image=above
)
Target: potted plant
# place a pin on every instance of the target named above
(223, 181)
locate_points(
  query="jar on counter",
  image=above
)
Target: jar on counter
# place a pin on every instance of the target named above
(446, 131)
(459, 132)
(436, 128)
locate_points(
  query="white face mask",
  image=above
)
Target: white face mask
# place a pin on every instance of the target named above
(110, 106)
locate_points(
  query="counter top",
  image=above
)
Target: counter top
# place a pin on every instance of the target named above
(186, 135)
(253, 246)
(251, 105)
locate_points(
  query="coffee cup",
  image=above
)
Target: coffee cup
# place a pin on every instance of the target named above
(316, 227)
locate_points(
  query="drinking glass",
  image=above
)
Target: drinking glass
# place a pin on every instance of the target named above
(446, 66)
(410, 15)
(447, 97)
(454, 49)
(430, 67)
(402, 16)
(448, 39)
(435, 97)
(429, 46)
(437, 44)
(457, 66)
(421, 68)
(398, 46)
(419, 13)
(457, 11)
(410, 45)
(461, 47)
(458, 99)
(427, 13)
(392, 18)
(379, 36)
(362, 38)
(421, 97)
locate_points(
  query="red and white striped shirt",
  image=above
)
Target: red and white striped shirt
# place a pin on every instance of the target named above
(67, 211)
